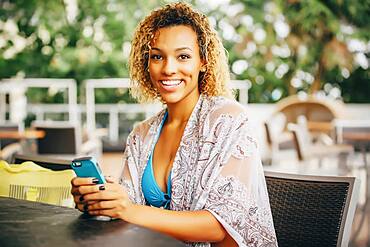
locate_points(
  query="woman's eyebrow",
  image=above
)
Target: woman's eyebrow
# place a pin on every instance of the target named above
(183, 48)
(177, 49)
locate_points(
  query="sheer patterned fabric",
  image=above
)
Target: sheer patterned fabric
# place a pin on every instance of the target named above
(217, 168)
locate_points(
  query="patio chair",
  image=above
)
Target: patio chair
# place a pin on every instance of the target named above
(276, 138)
(7, 127)
(312, 210)
(64, 140)
(8, 147)
(29, 181)
(46, 162)
(318, 111)
(308, 150)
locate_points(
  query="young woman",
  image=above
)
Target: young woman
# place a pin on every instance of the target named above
(192, 171)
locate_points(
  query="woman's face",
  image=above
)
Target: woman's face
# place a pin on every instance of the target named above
(174, 63)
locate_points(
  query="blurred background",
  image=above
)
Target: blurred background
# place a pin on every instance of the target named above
(64, 87)
(280, 47)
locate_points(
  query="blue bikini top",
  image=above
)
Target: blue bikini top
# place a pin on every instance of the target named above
(152, 193)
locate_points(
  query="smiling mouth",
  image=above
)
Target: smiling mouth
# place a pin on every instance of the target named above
(171, 83)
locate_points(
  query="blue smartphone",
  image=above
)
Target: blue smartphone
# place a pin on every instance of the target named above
(87, 167)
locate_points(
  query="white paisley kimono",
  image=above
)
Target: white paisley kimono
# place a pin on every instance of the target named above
(217, 168)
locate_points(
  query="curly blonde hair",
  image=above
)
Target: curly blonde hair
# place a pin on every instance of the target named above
(212, 82)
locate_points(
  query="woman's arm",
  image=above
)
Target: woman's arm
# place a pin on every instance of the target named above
(193, 226)
(112, 200)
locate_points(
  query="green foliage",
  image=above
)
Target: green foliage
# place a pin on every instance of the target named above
(317, 50)
(87, 45)
(49, 39)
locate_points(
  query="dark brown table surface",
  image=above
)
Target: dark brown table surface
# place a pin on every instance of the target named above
(25, 223)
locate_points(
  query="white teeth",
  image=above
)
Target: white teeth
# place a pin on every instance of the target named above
(171, 82)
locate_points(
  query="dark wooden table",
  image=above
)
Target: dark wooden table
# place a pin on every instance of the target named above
(25, 223)
(27, 134)
(21, 136)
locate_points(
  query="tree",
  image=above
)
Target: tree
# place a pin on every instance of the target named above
(68, 39)
(290, 46)
(282, 47)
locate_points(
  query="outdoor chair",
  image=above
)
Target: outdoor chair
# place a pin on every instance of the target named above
(276, 138)
(312, 210)
(46, 162)
(8, 147)
(6, 127)
(308, 150)
(64, 140)
(318, 111)
(29, 179)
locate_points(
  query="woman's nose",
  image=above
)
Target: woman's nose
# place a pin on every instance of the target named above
(169, 67)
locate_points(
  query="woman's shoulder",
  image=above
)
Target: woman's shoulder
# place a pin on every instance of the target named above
(219, 105)
(142, 128)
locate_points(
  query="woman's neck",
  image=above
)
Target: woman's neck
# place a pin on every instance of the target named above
(179, 113)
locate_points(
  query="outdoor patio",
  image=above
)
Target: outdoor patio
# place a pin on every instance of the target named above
(299, 68)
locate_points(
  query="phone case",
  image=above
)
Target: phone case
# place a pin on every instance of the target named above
(87, 167)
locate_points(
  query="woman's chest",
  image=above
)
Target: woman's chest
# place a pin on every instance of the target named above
(164, 153)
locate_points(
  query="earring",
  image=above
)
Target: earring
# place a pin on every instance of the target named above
(202, 69)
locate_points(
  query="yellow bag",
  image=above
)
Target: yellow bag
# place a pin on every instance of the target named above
(29, 181)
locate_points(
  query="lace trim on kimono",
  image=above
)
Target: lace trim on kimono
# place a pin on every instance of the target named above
(228, 199)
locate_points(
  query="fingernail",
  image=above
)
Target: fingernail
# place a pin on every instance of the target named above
(95, 180)
(101, 187)
(85, 207)
(81, 198)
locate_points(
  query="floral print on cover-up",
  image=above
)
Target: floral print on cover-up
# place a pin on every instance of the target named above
(217, 168)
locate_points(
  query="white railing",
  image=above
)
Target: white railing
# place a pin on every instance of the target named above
(259, 112)
(113, 109)
(16, 88)
(147, 109)
(243, 86)
(41, 110)
(5, 88)
(74, 110)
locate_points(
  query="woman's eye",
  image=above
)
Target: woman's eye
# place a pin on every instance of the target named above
(156, 57)
(184, 56)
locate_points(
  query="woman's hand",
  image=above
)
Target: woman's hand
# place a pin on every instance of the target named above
(108, 199)
(75, 191)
